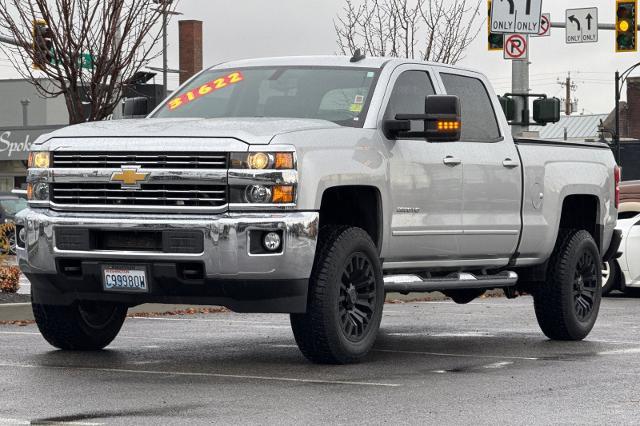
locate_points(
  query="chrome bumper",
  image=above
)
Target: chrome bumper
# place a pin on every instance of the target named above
(226, 241)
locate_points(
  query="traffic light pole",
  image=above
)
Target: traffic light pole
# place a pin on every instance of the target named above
(520, 85)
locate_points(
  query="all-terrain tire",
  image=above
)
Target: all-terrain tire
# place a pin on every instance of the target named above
(86, 326)
(345, 301)
(567, 304)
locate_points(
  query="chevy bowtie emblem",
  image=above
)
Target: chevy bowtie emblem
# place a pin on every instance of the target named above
(130, 177)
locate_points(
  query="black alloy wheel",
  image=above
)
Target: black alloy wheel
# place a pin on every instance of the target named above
(357, 296)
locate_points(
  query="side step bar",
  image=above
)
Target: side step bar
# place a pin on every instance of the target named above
(459, 280)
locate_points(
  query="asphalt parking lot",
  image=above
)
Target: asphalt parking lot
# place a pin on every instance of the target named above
(483, 363)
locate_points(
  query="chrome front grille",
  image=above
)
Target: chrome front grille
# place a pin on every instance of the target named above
(147, 160)
(94, 195)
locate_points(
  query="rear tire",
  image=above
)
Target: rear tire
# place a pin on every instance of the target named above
(83, 326)
(567, 304)
(346, 297)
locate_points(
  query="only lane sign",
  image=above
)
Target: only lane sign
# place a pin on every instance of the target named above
(582, 25)
(516, 16)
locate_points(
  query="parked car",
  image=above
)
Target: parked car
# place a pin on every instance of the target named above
(10, 206)
(623, 273)
(311, 186)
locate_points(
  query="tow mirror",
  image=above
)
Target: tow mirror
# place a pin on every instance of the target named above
(546, 110)
(135, 107)
(442, 121)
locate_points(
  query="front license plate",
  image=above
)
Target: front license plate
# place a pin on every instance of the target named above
(128, 279)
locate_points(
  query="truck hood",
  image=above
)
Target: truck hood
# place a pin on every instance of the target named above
(253, 131)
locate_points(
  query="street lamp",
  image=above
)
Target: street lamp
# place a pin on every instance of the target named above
(620, 80)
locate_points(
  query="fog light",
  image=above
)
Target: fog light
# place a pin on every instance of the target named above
(271, 241)
(258, 194)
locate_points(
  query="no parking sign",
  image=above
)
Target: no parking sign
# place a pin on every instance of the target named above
(516, 47)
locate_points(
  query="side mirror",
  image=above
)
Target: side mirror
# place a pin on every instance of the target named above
(135, 107)
(443, 118)
(546, 111)
(441, 121)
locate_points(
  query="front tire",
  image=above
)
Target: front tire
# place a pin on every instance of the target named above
(346, 297)
(567, 304)
(83, 326)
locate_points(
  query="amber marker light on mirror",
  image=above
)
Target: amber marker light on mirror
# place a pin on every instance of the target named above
(282, 194)
(446, 126)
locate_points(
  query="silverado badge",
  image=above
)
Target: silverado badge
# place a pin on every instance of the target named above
(130, 177)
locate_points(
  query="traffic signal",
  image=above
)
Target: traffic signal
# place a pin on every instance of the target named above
(626, 25)
(42, 44)
(496, 41)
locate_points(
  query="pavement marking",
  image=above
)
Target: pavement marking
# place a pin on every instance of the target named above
(28, 422)
(436, 354)
(621, 351)
(217, 375)
(31, 333)
(254, 324)
(497, 365)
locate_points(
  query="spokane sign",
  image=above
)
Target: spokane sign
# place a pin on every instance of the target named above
(516, 16)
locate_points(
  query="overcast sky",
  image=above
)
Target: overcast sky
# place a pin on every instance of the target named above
(256, 28)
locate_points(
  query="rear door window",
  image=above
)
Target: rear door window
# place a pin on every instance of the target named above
(479, 123)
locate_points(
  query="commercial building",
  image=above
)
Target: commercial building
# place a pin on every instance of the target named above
(24, 116)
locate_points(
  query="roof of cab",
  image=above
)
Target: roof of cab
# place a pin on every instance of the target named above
(337, 61)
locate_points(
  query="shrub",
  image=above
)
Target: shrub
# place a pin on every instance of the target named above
(9, 279)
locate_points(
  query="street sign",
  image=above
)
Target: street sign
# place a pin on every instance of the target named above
(516, 46)
(516, 16)
(582, 25)
(545, 26)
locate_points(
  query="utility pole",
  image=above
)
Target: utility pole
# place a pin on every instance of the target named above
(567, 105)
(520, 85)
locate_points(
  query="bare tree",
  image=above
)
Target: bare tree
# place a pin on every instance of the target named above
(97, 46)
(430, 30)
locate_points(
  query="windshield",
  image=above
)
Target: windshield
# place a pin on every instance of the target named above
(12, 206)
(340, 95)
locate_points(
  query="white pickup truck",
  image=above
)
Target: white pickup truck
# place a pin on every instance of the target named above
(311, 186)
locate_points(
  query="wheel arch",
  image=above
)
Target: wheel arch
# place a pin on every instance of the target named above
(354, 205)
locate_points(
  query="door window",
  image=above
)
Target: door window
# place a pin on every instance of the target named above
(408, 96)
(479, 123)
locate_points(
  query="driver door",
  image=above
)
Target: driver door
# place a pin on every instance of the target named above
(425, 181)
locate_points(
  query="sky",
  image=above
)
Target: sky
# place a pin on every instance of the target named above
(259, 28)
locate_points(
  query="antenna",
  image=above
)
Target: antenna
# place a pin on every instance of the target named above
(358, 56)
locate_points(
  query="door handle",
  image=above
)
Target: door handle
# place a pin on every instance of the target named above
(451, 161)
(510, 164)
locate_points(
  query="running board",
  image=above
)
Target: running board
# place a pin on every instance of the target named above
(459, 280)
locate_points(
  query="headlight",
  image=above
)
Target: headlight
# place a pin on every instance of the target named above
(262, 160)
(38, 191)
(38, 160)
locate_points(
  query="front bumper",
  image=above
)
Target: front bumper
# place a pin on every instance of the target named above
(231, 274)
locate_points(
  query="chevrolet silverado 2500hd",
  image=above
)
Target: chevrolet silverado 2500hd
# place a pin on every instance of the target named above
(311, 186)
